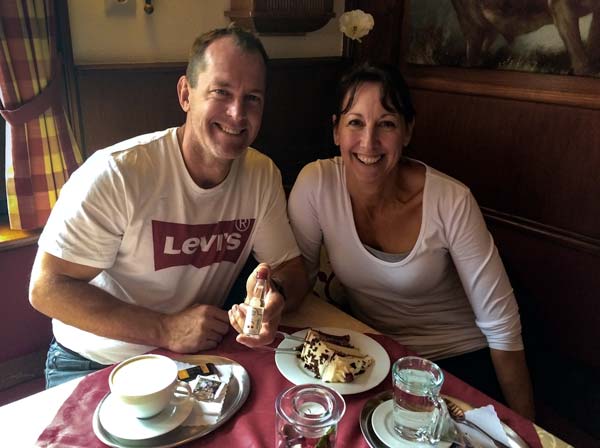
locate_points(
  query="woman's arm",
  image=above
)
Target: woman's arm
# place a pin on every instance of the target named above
(496, 311)
(513, 376)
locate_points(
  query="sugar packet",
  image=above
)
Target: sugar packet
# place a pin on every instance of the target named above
(209, 392)
(208, 389)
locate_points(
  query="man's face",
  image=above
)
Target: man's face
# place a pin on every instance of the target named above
(224, 110)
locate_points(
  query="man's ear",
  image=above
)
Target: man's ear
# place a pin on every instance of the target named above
(183, 93)
(335, 130)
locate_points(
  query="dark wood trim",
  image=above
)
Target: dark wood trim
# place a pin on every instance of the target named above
(575, 91)
(307, 62)
(348, 47)
(300, 87)
(153, 66)
(559, 236)
(10, 244)
(384, 43)
(171, 66)
(65, 49)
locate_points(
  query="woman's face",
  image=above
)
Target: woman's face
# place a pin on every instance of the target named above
(370, 137)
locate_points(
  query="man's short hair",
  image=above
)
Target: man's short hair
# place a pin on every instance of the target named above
(245, 40)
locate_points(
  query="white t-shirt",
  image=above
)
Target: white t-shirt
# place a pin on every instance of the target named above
(445, 298)
(163, 242)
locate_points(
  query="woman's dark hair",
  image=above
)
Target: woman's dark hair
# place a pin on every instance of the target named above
(395, 96)
(245, 40)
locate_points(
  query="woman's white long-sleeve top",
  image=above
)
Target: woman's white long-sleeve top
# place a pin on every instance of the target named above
(449, 296)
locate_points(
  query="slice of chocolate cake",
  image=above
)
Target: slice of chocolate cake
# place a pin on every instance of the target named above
(332, 358)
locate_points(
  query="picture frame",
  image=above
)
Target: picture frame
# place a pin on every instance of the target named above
(568, 90)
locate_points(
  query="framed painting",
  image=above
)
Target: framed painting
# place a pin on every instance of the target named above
(521, 49)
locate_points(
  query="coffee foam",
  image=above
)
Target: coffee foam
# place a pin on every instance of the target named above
(144, 375)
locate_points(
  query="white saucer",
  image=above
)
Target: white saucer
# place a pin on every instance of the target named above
(382, 421)
(120, 423)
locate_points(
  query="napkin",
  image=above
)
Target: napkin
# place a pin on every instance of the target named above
(486, 418)
(207, 412)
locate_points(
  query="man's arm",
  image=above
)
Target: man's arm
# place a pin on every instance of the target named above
(513, 376)
(60, 289)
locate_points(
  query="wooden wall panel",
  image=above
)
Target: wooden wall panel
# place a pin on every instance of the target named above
(26, 330)
(297, 127)
(118, 102)
(557, 289)
(535, 161)
(534, 169)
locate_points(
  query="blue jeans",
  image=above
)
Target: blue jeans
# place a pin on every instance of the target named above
(63, 365)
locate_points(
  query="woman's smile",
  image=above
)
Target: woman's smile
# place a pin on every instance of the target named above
(368, 160)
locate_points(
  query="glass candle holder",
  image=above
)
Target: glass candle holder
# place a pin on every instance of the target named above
(307, 416)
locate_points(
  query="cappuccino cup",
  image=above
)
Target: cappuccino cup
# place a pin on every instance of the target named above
(146, 384)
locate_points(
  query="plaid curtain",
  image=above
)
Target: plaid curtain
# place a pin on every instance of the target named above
(41, 151)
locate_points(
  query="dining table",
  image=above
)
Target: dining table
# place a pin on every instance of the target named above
(62, 416)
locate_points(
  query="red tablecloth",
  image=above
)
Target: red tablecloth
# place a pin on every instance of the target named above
(254, 424)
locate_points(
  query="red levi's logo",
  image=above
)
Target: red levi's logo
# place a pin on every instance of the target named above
(199, 245)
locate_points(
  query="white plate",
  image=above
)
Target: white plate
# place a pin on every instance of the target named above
(383, 426)
(291, 367)
(116, 419)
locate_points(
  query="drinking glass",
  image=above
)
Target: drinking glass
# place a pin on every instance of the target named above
(420, 414)
(307, 416)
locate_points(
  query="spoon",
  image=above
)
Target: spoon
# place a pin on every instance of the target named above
(458, 415)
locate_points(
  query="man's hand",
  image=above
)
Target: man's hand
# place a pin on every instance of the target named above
(200, 327)
(61, 290)
(274, 304)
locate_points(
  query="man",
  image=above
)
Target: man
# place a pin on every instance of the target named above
(148, 235)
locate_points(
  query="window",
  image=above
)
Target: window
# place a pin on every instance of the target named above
(9, 238)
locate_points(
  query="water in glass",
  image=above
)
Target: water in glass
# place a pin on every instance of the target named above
(417, 408)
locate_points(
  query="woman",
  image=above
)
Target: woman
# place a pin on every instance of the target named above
(409, 243)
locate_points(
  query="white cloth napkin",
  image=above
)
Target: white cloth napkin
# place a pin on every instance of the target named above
(207, 412)
(486, 418)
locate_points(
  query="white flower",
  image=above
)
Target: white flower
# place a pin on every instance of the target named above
(356, 24)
